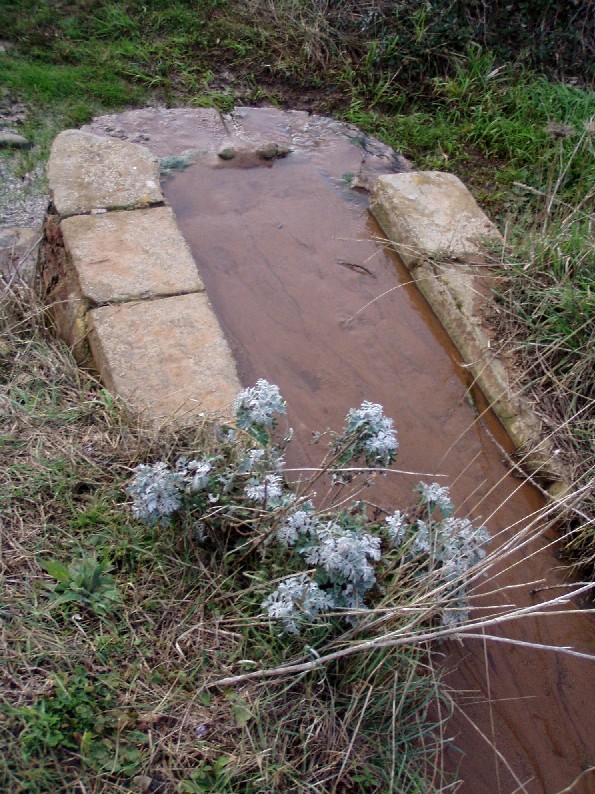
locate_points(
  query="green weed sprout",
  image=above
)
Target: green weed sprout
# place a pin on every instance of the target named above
(86, 583)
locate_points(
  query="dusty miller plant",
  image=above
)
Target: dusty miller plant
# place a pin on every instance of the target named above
(241, 498)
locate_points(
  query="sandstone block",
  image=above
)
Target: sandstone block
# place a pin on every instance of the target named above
(167, 358)
(123, 256)
(430, 214)
(87, 172)
(18, 253)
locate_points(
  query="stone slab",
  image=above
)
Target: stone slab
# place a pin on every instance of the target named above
(87, 172)
(167, 358)
(166, 131)
(431, 214)
(441, 234)
(129, 255)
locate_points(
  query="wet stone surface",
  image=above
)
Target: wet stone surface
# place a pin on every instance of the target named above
(199, 135)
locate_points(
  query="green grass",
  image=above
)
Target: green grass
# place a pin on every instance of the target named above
(417, 80)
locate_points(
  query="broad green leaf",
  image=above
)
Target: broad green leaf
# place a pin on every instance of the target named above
(55, 569)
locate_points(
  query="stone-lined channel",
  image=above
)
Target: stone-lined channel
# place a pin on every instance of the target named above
(294, 266)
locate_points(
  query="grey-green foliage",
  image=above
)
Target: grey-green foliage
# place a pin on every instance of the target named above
(368, 434)
(450, 546)
(344, 550)
(298, 599)
(258, 405)
(156, 493)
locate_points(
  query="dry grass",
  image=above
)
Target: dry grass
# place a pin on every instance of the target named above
(547, 323)
(106, 702)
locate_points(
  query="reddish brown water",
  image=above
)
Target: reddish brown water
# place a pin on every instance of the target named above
(290, 258)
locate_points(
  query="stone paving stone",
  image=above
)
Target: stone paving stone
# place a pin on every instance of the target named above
(167, 358)
(431, 214)
(166, 131)
(123, 256)
(87, 172)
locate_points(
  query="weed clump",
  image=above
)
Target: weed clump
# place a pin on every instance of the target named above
(241, 497)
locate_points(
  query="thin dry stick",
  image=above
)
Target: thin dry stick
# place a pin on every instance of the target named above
(576, 780)
(514, 544)
(542, 193)
(491, 710)
(391, 641)
(535, 645)
(370, 470)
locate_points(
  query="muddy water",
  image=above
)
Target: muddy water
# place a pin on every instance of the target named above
(294, 266)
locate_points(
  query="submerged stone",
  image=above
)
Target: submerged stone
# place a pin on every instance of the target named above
(272, 150)
(228, 153)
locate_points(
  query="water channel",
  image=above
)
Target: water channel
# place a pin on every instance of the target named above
(311, 299)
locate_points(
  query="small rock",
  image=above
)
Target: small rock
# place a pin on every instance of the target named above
(272, 150)
(13, 140)
(228, 153)
(18, 253)
(142, 783)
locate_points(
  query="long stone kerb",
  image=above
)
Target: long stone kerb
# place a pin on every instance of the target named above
(443, 236)
(122, 286)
